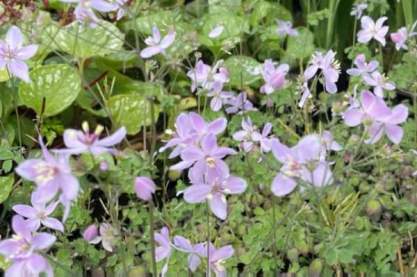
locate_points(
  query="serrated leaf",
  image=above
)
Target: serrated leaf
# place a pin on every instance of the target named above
(83, 41)
(58, 84)
(6, 185)
(241, 70)
(132, 111)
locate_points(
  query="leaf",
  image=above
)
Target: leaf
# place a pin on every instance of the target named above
(58, 84)
(267, 13)
(234, 27)
(4, 75)
(6, 185)
(241, 70)
(132, 111)
(300, 47)
(83, 41)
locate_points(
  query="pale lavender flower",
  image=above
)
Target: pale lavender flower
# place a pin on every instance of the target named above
(329, 68)
(208, 156)
(164, 249)
(23, 250)
(329, 143)
(218, 97)
(51, 174)
(305, 94)
(372, 30)
(144, 188)
(205, 77)
(357, 10)
(401, 36)
(303, 162)
(184, 245)
(84, 141)
(285, 29)
(216, 31)
(13, 54)
(362, 67)
(239, 104)
(91, 234)
(84, 11)
(156, 44)
(217, 257)
(38, 214)
(377, 117)
(190, 128)
(106, 234)
(274, 77)
(249, 136)
(120, 8)
(213, 187)
(379, 82)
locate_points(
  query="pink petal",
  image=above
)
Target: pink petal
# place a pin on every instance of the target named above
(282, 185)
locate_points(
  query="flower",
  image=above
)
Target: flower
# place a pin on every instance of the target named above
(84, 141)
(401, 36)
(144, 188)
(190, 128)
(305, 94)
(239, 104)
(84, 11)
(274, 77)
(213, 187)
(184, 245)
(219, 97)
(377, 117)
(217, 257)
(379, 82)
(362, 67)
(205, 77)
(91, 235)
(328, 66)
(120, 8)
(358, 9)
(51, 174)
(107, 235)
(285, 29)
(22, 250)
(13, 54)
(157, 45)
(208, 157)
(371, 30)
(304, 161)
(216, 31)
(163, 251)
(249, 136)
(38, 214)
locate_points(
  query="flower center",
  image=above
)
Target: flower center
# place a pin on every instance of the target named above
(211, 162)
(45, 172)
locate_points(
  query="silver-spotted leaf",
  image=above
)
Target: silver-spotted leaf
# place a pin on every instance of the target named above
(58, 84)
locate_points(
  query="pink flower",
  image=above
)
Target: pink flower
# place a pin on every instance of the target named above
(362, 67)
(156, 44)
(401, 36)
(285, 29)
(379, 82)
(13, 54)
(144, 188)
(371, 30)
(329, 68)
(274, 77)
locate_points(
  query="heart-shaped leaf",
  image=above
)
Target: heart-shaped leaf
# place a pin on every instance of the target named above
(58, 84)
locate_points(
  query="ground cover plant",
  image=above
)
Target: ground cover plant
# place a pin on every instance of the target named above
(207, 137)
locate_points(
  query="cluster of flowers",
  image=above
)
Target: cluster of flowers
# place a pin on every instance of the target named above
(55, 184)
(216, 256)
(85, 10)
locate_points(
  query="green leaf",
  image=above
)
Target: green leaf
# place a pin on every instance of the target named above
(58, 84)
(82, 41)
(6, 185)
(234, 27)
(241, 70)
(4, 75)
(300, 47)
(132, 111)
